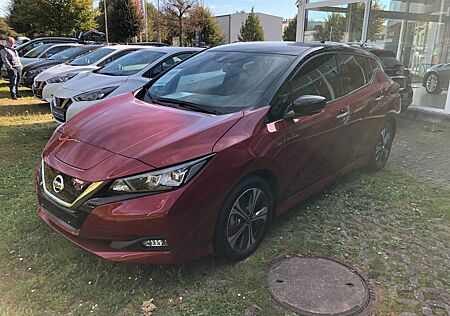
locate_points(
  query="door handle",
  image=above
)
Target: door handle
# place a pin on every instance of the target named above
(343, 115)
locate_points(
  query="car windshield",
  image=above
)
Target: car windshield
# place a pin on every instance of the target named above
(37, 51)
(391, 62)
(216, 81)
(69, 53)
(130, 64)
(92, 57)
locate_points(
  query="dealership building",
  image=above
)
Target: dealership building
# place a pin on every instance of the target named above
(417, 31)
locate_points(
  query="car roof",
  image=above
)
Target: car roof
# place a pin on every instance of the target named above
(286, 48)
(171, 49)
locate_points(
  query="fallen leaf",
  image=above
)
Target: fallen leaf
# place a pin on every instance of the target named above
(148, 307)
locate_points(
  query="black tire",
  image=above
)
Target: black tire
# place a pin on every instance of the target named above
(231, 245)
(432, 83)
(382, 149)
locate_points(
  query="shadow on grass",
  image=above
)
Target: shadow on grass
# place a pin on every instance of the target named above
(5, 94)
(19, 109)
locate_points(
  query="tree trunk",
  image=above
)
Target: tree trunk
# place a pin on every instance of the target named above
(181, 30)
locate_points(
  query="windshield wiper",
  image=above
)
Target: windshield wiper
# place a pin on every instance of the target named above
(186, 105)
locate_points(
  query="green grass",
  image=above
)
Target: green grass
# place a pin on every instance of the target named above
(362, 219)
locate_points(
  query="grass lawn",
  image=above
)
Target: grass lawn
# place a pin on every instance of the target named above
(368, 220)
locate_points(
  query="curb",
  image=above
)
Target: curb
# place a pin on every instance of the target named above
(427, 115)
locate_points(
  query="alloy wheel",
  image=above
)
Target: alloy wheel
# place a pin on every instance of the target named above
(383, 147)
(247, 219)
(432, 83)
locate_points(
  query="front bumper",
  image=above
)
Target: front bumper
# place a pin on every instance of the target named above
(99, 224)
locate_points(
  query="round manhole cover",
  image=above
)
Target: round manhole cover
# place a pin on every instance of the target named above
(318, 286)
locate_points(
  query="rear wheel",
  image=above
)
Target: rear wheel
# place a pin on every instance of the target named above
(244, 219)
(432, 84)
(382, 149)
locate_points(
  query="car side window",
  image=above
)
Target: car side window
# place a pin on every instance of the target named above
(353, 72)
(165, 64)
(54, 50)
(318, 76)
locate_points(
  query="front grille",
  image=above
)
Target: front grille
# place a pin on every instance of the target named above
(38, 86)
(59, 108)
(62, 186)
(400, 80)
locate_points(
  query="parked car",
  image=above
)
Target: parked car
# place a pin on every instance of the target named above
(437, 78)
(30, 45)
(39, 53)
(396, 70)
(125, 74)
(47, 82)
(205, 156)
(30, 71)
(21, 40)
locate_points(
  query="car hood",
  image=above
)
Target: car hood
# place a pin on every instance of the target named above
(154, 134)
(26, 61)
(42, 63)
(61, 70)
(88, 81)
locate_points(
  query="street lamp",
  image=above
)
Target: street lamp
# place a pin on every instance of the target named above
(106, 21)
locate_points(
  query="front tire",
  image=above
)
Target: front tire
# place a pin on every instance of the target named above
(381, 151)
(432, 84)
(244, 219)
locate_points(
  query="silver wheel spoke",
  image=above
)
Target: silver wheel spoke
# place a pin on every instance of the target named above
(237, 210)
(253, 200)
(232, 239)
(251, 240)
(260, 215)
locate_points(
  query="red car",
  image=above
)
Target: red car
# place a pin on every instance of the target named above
(203, 158)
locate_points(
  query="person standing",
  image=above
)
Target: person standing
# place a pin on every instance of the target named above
(11, 60)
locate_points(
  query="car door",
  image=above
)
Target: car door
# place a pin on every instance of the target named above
(314, 143)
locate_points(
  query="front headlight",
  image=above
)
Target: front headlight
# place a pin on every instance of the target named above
(94, 95)
(160, 180)
(35, 72)
(60, 79)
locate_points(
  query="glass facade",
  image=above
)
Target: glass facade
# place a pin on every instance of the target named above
(416, 31)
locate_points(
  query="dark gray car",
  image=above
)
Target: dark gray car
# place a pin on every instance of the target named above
(437, 78)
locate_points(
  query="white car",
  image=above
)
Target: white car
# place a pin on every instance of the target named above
(48, 81)
(125, 74)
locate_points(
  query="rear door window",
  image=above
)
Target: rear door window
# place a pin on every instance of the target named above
(353, 72)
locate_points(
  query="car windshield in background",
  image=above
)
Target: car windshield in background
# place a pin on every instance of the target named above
(390, 62)
(222, 82)
(130, 64)
(69, 53)
(92, 57)
(37, 51)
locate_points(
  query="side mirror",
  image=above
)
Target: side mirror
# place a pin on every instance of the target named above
(309, 105)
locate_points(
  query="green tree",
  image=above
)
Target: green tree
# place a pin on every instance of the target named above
(205, 24)
(290, 32)
(124, 22)
(51, 17)
(332, 30)
(336, 25)
(176, 16)
(251, 30)
(6, 30)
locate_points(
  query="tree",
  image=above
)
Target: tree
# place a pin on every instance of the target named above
(332, 30)
(251, 30)
(124, 22)
(205, 24)
(5, 29)
(337, 24)
(177, 11)
(51, 17)
(290, 32)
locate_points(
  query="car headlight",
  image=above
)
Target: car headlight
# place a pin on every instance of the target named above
(60, 79)
(35, 72)
(94, 95)
(160, 180)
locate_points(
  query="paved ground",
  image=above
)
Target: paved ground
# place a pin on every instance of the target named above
(423, 150)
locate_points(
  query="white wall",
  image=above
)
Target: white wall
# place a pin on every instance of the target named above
(231, 26)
